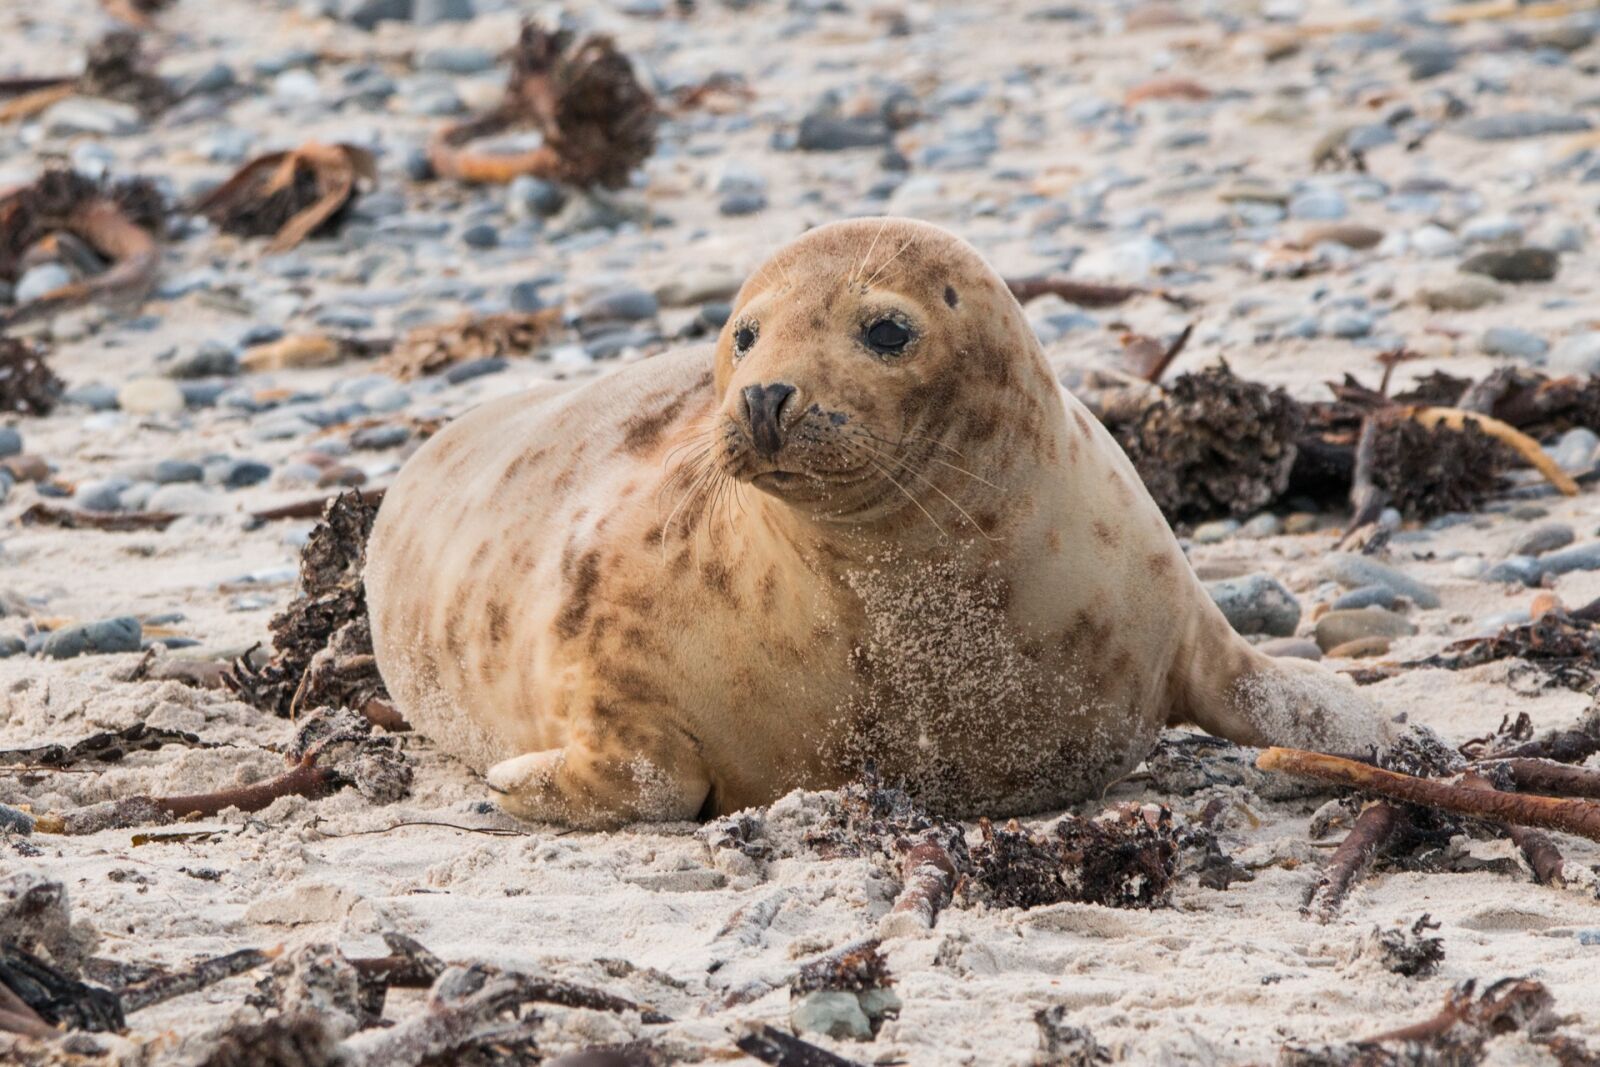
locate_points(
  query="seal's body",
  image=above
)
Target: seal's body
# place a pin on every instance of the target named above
(868, 524)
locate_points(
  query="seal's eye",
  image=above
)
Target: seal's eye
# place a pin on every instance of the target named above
(743, 338)
(888, 336)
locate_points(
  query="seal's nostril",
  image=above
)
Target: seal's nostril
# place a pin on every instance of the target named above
(763, 410)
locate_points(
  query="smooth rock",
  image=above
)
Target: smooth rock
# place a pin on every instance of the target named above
(38, 281)
(1354, 572)
(1466, 294)
(1366, 596)
(1257, 604)
(1584, 557)
(1512, 342)
(834, 1013)
(368, 13)
(1575, 354)
(1210, 533)
(1290, 648)
(834, 133)
(104, 495)
(150, 396)
(1514, 264)
(429, 12)
(620, 305)
(1524, 570)
(92, 115)
(10, 441)
(536, 197)
(1361, 648)
(1341, 627)
(1518, 125)
(121, 634)
(1575, 451)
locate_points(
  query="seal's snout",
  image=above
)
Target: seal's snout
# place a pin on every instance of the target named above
(763, 413)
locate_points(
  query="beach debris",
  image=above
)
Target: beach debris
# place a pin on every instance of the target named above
(1409, 951)
(1062, 1044)
(845, 994)
(334, 748)
(105, 747)
(1371, 832)
(206, 972)
(1563, 647)
(27, 384)
(290, 196)
(36, 991)
(432, 349)
(1214, 444)
(598, 121)
(118, 221)
(1124, 858)
(322, 641)
(1085, 293)
(771, 1045)
(114, 69)
(1458, 1033)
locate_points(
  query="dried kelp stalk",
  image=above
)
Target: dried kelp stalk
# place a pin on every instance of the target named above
(1565, 650)
(27, 384)
(1085, 293)
(1215, 444)
(1126, 858)
(1455, 1037)
(160, 988)
(293, 195)
(55, 996)
(334, 749)
(1372, 832)
(105, 747)
(432, 349)
(114, 69)
(598, 122)
(120, 221)
(322, 642)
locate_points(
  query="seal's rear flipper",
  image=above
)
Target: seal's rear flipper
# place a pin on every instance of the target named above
(573, 787)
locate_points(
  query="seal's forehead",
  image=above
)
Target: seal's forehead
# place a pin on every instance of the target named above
(904, 254)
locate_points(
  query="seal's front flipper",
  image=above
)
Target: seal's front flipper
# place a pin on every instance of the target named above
(573, 787)
(1229, 689)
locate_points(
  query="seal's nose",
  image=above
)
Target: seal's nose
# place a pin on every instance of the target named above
(763, 407)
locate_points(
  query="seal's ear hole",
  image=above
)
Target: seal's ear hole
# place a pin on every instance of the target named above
(950, 298)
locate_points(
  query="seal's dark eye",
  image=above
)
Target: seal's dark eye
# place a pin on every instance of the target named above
(743, 338)
(887, 335)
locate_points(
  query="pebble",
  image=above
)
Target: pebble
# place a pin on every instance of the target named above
(1130, 261)
(1429, 59)
(457, 59)
(1521, 569)
(738, 204)
(1265, 524)
(1210, 533)
(1257, 604)
(482, 235)
(1290, 648)
(536, 197)
(121, 634)
(1321, 205)
(38, 281)
(429, 12)
(1512, 342)
(378, 438)
(368, 13)
(14, 820)
(90, 115)
(1514, 264)
(1584, 557)
(837, 1014)
(1361, 648)
(150, 396)
(10, 441)
(240, 473)
(1575, 450)
(103, 495)
(1521, 124)
(1467, 294)
(1576, 354)
(184, 498)
(620, 305)
(833, 133)
(475, 368)
(1355, 572)
(1546, 537)
(1340, 627)
(174, 471)
(1366, 596)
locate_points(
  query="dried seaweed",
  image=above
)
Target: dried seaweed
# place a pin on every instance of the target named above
(57, 997)
(1428, 471)
(432, 349)
(872, 819)
(857, 968)
(1126, 858)
(1565, 650)
(290, 196)
(27, 384)
(1411, 951)
(1214, 445)
(115, 69)
(104, 747)
(119, 220)
(598, 121)
(322, 641)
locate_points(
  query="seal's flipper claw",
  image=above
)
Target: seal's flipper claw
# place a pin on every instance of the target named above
(572, 786)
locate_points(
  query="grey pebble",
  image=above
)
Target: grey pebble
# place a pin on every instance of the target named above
(121, 634)
(1366, 596)
(1353, 572)
(737, 204)
(368, 13)
(620, 305)
(428, 12)
(483, 235)
(457, 59)
(834, 133)
(1514, 264)
(475, 368)
(537, 197)
(1544, 538)
(1338, 627)
(1522, 569)
(1577, 354)
(40, 280)
(103, 495)
(1257, 604)
(1584, 557)
(14, 820)
(1209, 533)
(1517, 125)
(1290, 648)
(378, 438)
(1512, 342)
(10, 441)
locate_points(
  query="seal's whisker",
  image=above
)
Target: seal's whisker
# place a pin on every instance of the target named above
(920, 507)
(913, 437)
(930, 441)
(906, 466)
(884, 265)
(855, 272)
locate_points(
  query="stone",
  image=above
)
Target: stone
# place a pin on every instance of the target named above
(38, 281)
(1512, 342)
(10, 441)
(103, 495)
(378, 438)
(174, 471)
(698, 287)
(1429, 59)
(834, 133)
(457, 59)
(1353, 572)
(1290, 648)
(1466, 294)
(1518, 125)
(1434, 241)
(1210, 533)
(1349, 234)
(1514, 264)
(482, 235)
(620, 305)
(1265, 524)
(1576, 354)
(90, 115)
(296, 87)
(429, 12)
(1322, 205)
(1574, 452)
(185, 498)
(242, 473)
(1366, 596)
(121, 634)
(368, 13)
(1257, 604)
(475, 368)
(1584, 557)
(1136, 260)
(1341, 627)
(1524, 570)
(536, 197)
(1361, 648)
(150, 396)
(837, 1014)
(735, 205)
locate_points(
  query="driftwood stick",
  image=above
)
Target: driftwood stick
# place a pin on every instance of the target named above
(928, 874)
(1547, 776)
(1371, 831)
(1579, 817)
(771, 1045)
(206, 972)
(1537, 848)
(1173, 351)
(305, 779)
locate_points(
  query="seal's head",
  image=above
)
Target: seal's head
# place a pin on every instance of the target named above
(863, 358)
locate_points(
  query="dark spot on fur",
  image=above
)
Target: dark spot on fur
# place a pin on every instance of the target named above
(499, 622)
(719, 579)
(950, 299)
(580, 593)
(1105, 533)
(641, 432)
(989, 522)
(629, 684)
(652, 536)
